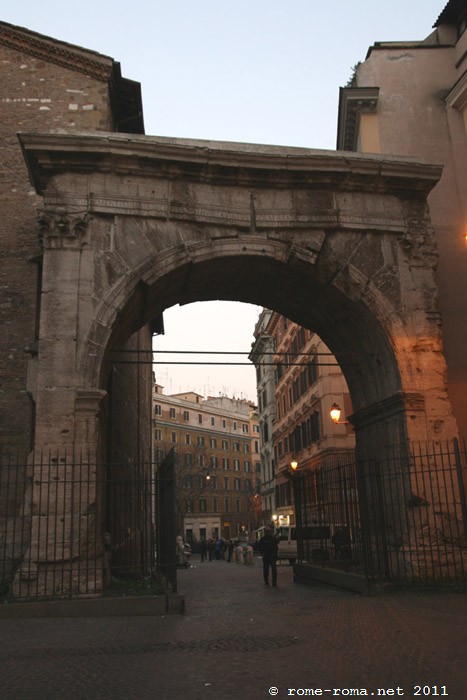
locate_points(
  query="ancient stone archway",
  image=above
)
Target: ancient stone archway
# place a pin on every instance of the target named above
(341, 243)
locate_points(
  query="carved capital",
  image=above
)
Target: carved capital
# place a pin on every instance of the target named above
(59, 230)
(87, 401)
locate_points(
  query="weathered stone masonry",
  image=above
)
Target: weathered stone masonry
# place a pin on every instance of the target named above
(46, 86)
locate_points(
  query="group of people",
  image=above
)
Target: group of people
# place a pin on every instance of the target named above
(216, 548)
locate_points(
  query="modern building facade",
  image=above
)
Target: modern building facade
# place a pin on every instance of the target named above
(410, 99)
(216, 444)
(305, 382)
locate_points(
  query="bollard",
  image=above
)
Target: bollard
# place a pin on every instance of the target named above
(248, 556)
(239, 555)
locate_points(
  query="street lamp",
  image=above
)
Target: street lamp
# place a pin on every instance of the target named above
(335, 414)
(294, 465)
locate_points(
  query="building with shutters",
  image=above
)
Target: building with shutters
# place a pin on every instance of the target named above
(216, 445)
(298, 382)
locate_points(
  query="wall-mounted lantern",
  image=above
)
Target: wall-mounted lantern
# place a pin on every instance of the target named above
(335, 414)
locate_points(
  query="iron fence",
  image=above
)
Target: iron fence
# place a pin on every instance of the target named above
(70, 527)
(400, 517)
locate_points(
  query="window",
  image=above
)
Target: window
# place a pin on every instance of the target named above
(256, 441)
(213, 422)
(200, 418)
(312, 371)
(237, 485)
(301, 337)
(226, 504)
(214, 505)
(247, 485)
(256, 428)
(303, 381)
(226, 482)
(187, 439)
(214, 482)
(213, 442)
(245, 428)
(236, 464)
(189, 481)
(174, 437)
(172, 412)
(235, 425)
(279, 372)
(225, 462)
(213, 462)
(225, 445)
(200, 441)
(236, 446)
(158, 409)
(202, 505)
(186, 415)
(237, 503)
(315, 426)
(246, 465)
(246, 447)
(158, 435)
(189, 505)
(202, 461)
(188, 459)
(224, 423)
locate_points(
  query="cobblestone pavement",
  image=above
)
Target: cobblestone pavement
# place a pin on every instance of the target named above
(242, 640)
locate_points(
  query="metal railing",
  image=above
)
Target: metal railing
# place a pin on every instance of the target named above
(400, 517)
(71, 527)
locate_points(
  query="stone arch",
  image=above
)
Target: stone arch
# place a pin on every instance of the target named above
(140, 224)
(167, 281)
(340, 243)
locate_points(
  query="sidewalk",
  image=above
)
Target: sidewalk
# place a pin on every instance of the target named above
(239, 639)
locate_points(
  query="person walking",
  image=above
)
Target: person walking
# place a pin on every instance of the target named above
(268, 550)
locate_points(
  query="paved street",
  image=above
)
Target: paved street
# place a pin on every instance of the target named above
(239, 639)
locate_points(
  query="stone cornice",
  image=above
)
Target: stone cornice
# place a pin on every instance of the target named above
(59, 53)
(353, 102)
(222, 163)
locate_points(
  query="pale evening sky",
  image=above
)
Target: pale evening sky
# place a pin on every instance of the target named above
(260, 71)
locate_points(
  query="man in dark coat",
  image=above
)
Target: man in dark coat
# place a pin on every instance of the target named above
(268, 549)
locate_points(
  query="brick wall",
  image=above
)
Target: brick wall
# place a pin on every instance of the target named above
(36, 95)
